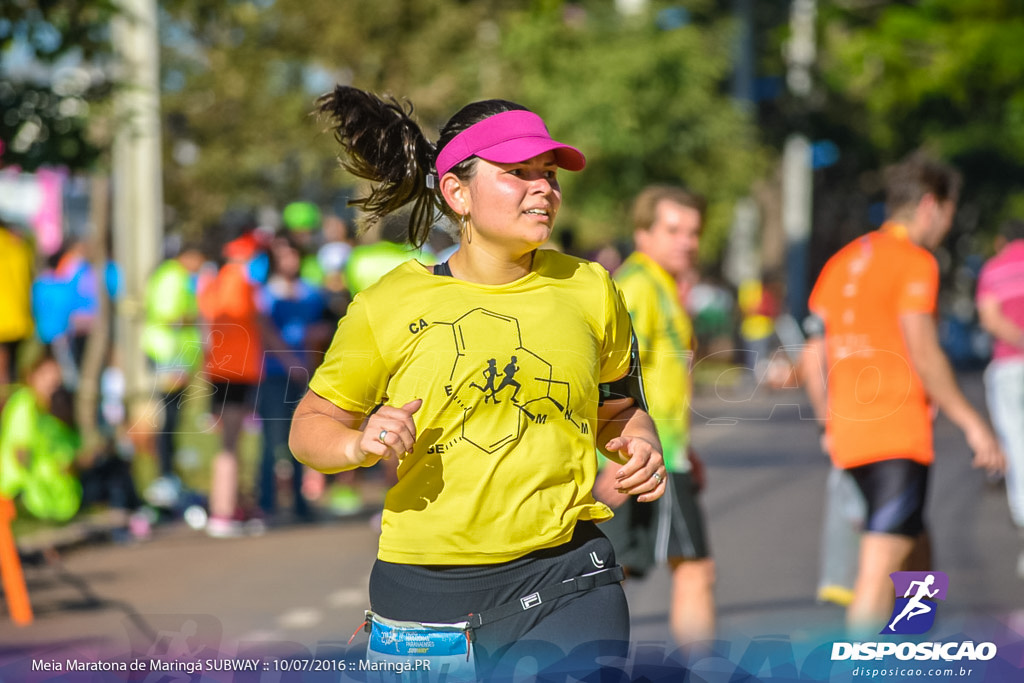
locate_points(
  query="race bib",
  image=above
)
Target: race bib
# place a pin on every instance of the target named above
(436, 652)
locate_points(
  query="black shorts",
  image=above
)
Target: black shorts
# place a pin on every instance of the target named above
(231, 393)
(12, 347)
(895, 492)
(595, 622)
(671, 528)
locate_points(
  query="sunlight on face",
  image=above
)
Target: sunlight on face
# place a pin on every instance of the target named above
(514, 205)
(673, 240)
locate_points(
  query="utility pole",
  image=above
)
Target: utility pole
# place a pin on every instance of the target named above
(744, 71)
(137, 183)
(797, 179)
(743, 261)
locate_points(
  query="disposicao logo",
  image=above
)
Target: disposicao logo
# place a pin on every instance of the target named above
(913, 614)
(916, 595)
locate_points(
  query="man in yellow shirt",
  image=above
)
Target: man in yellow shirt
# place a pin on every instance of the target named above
(15, 304)
(667, 223)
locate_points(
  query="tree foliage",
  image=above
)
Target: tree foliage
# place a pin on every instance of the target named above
(41, 127)
(942, 73)
(643, 96)
(646, 100)
(51, 29)
(50, 102)
(241, 81)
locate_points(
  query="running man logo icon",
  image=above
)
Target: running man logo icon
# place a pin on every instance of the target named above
(916, 593)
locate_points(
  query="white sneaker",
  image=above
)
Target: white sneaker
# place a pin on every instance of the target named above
(217, 527)
(195, 516)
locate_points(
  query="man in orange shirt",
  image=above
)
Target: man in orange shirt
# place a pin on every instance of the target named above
(876, 300)
(237, 336)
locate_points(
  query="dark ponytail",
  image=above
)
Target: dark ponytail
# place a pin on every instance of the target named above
(381, 143)
(384, 145)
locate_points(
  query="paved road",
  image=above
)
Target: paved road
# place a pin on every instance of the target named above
(765, 497)
(303, 588)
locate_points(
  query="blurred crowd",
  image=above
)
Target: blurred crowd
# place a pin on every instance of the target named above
(234, 325)
(231, 333)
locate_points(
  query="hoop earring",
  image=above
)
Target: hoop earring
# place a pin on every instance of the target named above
(467, 227)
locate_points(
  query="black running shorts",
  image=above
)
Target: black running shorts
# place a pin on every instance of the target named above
(587, 624)
(670, 528)
(895, 493)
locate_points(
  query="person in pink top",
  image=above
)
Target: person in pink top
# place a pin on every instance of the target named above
(1001, 309)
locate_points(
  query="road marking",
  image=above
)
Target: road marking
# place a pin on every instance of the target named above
(260, 636)
(347, 597)
(301, 617)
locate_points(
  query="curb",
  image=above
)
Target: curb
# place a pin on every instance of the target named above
(94, 527)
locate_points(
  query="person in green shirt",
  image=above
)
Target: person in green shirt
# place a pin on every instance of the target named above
(37, 450)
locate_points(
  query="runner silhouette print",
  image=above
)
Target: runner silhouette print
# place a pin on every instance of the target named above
(507, 381)
(491, 373)
(916, 592)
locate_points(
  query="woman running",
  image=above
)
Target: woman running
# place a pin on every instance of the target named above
(490, 528)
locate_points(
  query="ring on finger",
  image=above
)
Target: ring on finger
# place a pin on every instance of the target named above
(657, 476)
(382, 436)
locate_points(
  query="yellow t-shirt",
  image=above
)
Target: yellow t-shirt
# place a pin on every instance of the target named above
(664, 334)
(505, 456)
(16, 285)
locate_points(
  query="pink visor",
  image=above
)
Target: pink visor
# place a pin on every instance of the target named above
(507, 138)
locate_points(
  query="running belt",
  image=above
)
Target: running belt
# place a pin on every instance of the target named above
(577, 584)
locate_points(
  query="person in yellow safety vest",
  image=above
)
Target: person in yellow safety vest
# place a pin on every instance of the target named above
(173, 344)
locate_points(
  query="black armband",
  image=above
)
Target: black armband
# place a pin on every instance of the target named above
(631, 385)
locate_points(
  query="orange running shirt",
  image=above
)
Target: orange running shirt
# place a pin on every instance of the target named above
(233, 346)
(878, 409)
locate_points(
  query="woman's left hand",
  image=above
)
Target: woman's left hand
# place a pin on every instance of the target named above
(644, 474)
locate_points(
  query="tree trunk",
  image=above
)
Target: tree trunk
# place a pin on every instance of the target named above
(96, 349)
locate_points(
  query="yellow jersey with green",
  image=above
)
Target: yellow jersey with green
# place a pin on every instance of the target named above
(505, 455)
(665, 336)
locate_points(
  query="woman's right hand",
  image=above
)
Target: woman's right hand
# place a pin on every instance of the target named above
(391, 431)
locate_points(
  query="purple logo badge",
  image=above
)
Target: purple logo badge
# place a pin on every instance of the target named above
(916, 595)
